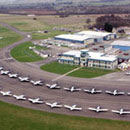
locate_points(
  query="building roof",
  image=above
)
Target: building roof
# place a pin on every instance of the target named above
(74, 37)
(84, 35)
(103, 57)
(121, 43)
(95, 33)
(92, 55)
(75, 53)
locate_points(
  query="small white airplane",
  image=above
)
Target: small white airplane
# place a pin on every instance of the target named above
(72, 89)
(127, 73)
(53, 86)
(128, 94)
(1, 68)
(97, 109)
(8, 93)
(54, 105)
(4, 72)
(92, 91)
(24, 79)
(19, 97)
(36, 82)
(73, 107)
(13, 75)
(121, 111)
(115, 92)
(35, 100)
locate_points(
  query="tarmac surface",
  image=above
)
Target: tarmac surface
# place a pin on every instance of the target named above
(108, 82)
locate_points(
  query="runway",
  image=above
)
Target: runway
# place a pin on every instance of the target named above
(109, 82)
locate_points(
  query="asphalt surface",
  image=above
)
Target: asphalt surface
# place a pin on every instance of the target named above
(109, 82)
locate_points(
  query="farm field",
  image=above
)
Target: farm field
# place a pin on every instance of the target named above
(22, 53)
(8, 37)
(19, 118)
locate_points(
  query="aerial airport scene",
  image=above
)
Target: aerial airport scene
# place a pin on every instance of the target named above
(65, 65)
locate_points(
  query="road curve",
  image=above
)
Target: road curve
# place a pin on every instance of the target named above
(115, 81)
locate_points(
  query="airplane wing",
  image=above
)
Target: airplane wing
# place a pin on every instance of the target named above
(93, 109)
(77, 89)
(32, 81)
(86, 90)
(49, 104)
(39, 102)
(15, 96)
(109, 92)
(48, 85)
(58, 105)
(121, 93)
(66, 88)
(115, 111)
(126, 112)
(98, 91)
(29, 99)
(103, 109)
(77, 108)
(1, 92)
(57, 87)
(66, 106)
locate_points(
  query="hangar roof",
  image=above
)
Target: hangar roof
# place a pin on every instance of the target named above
(95, 33)
(84, 35)
(75, 37)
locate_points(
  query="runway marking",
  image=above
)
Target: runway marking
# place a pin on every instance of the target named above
(65, 74)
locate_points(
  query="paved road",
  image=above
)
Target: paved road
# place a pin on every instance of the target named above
(110, 82)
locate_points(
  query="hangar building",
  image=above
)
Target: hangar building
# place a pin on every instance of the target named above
(86, 37)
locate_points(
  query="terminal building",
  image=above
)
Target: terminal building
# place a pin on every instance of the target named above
(86, 37)
(89, 59)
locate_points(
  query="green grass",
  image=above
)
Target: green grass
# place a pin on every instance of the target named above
(84, 72)
(90, 72)
(22, 53)
(9, 37)
(17, 118)
(51, 34)
(58, 68)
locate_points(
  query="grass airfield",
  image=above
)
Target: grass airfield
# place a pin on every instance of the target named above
(46, 22)
(17, 118)
(8, 37)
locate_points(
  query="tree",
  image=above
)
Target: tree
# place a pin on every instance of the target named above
(88, 21)
(34, 18)
(112, 20)
(108, 27)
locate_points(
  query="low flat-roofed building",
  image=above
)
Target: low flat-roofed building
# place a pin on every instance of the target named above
(90, 59)
(122, 45)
